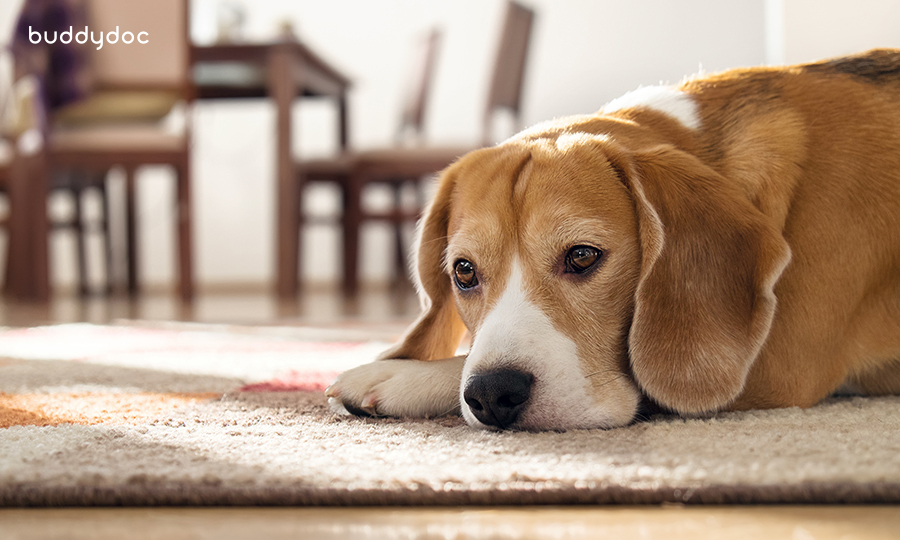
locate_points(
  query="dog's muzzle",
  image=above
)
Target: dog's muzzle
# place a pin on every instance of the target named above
(496, 398)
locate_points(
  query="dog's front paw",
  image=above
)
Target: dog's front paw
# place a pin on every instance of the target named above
(410, 388)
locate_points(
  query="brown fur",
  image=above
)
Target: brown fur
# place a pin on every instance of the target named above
(754, 262)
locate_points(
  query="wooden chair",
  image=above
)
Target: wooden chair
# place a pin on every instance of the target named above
(120, 123)
(74, 185)
(5, 174)
(408, 164)
(19, 113)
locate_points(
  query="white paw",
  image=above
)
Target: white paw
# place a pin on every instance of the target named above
(403, 388)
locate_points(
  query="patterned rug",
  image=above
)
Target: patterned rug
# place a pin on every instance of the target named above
(188, 414)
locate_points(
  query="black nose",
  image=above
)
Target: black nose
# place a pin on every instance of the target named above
(497, 397)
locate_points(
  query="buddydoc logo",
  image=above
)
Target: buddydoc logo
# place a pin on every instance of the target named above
(67, 37)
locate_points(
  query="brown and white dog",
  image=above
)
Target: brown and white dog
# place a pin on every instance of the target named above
(727, 244)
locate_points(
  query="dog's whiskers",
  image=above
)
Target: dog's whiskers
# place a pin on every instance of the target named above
(618, 374)
(612, 380)
(449, 411)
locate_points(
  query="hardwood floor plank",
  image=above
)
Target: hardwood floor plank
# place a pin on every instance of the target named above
(670, 522)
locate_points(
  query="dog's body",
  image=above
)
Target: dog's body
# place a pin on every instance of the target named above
(728, 244)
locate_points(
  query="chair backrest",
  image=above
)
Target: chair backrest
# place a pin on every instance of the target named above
(161, 63)
(412, 121)
(509, 69)
(8, 16)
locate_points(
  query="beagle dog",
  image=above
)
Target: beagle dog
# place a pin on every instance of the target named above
(730, 243)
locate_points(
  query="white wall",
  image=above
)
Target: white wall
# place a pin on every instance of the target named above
(585, 52)
(815, 29)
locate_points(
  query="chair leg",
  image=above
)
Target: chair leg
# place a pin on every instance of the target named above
(131, 233)
(28, 276)
(106, 231)
(80, 234)
(185, 246)
(351, 221)
(399, 244)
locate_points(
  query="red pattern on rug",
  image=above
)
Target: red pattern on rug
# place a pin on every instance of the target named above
(294, 381)
(124, 375)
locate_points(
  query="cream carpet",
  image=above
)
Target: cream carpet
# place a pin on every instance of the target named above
(137, 415)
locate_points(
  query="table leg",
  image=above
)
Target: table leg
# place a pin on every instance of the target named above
(351, 217)
(185, 236)
(131, 235)
(282, 86)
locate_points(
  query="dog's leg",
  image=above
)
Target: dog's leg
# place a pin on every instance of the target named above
(403, 388)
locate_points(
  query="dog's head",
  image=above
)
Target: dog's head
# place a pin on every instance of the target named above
(589, 275)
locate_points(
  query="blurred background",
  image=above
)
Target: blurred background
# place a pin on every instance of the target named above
(582, 53)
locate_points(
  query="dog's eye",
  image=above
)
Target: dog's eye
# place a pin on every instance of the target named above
(580, 259)
(464, 274)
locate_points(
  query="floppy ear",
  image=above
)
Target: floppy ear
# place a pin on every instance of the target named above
(704, 302)
(437, 332)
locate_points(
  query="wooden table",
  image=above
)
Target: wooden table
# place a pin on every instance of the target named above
(282, 72)
(279, 71)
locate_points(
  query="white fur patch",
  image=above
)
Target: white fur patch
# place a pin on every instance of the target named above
(516, 334)
(664, 99)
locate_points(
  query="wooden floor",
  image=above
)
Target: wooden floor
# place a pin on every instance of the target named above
(242, 306)
(620, 523)
(385, 307)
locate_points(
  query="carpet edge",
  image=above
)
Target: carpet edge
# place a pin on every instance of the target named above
(179, 494)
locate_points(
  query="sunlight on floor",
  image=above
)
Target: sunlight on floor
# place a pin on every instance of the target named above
(317, 307)
(673, 523)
